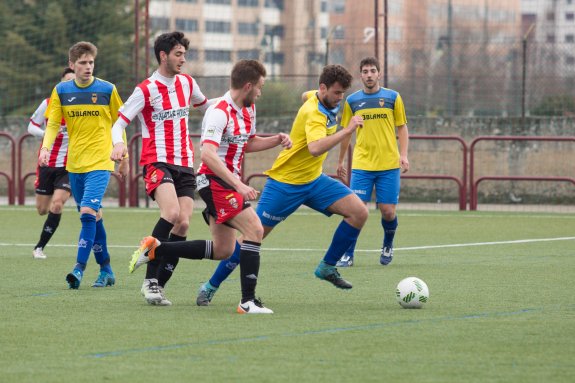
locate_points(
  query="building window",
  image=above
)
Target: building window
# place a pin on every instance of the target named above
(570, 38)
(248, 54)
(192, 54)
(187, 25)
(274, 30)
(570, 16)
(550, 38)
(323, 32)
(248, 29)
(248, 3)
(224, 2)
(218, 55)
(278, 4)
(570, 60)
(338, 6)
(339, 32)
(550, 16)
(323, 6)
(159, 23)
(187, 1)
(218, 26)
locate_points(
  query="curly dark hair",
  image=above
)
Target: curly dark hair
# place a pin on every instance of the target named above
(167, 41)
(335, 73)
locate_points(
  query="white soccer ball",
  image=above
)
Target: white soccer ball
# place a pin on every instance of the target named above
(412, 293)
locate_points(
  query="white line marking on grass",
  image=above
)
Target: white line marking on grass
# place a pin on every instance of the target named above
(363, 251)
(366, 327)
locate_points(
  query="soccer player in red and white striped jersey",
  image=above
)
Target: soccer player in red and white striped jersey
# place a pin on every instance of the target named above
(228, 132)
(52, 183)
(162, 104)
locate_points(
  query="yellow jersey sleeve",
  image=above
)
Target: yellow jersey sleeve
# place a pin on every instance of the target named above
(54, 112)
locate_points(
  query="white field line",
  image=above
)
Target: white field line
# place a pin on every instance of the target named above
(518, 241)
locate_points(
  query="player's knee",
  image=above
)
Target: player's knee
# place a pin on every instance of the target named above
(255, 232)
(388, 215)
(88, 210)
(223, 251)
(360, 214)
(42, 210)
(57, 206)
(171, 216)
(182, 226)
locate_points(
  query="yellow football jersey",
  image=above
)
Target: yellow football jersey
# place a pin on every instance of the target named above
(376, 144)
(89, 112)
(296, 165)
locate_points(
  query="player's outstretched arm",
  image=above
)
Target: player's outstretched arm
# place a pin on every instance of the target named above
(258, 143)
(319, 147)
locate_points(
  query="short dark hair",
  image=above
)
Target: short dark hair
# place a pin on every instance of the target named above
(247, 71)
(167, 41)
(335, 73)
(369, 61)
(81, 48)
(66, 71)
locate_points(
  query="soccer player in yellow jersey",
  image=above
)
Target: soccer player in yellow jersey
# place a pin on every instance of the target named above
(377, 159)
(296, 179)
(89, 106)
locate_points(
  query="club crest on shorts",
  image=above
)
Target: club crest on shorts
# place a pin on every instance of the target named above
(154, 177)
(232, 201)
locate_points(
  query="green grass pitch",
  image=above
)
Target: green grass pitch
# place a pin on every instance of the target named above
(501, 309)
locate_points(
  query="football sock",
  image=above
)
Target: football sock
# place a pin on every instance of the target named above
(344, 236)
(86, 240)
(100, 247)
(50, 226)
(198, 249)
(351, 249)
(168, 263)
(249, 269)
(389, 231)
(162, 233)
(226, 267)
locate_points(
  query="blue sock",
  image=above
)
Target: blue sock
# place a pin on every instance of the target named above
(100, 247)
(86, 240)
(349, 252)
(226, 267)
(389, 231)
(344, 236)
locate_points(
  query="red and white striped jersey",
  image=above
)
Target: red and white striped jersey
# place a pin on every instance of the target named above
(162, 106)
(229, 127)
(59, 150)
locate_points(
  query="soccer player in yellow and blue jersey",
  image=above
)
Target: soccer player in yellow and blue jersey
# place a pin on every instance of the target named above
(89, 106)
(296, 179)
(377, 159)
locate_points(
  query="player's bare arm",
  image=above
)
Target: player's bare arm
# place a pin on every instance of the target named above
(319, 147)
(258, 143)
(119, 151)
(403, 138)
(341, 170)
(211, 159)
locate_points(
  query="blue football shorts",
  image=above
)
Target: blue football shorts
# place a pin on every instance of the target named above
(89, 188)
(279, 200)
(386, 182)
